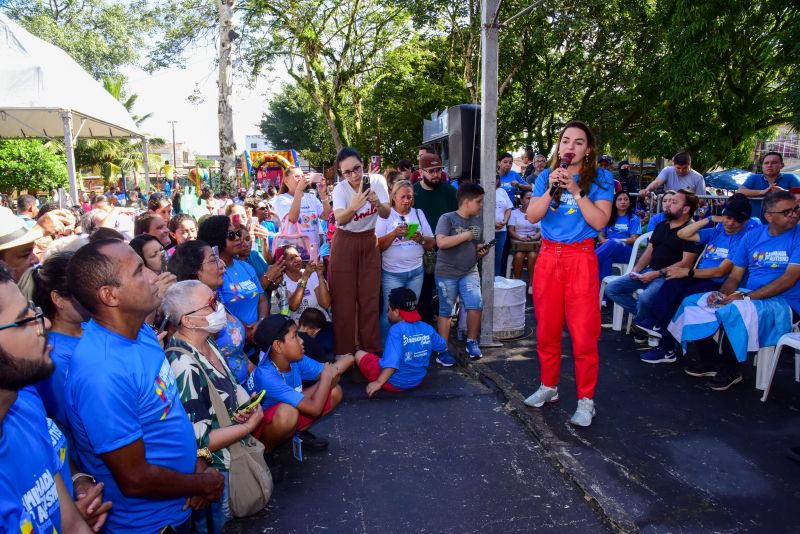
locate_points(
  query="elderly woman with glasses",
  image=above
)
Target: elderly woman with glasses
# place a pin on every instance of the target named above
(403, 238)
(198, 365)
(241, 290)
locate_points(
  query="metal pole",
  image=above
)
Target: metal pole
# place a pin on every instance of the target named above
(146, 164)
(66, 117)
(174, 153)
(490, 33)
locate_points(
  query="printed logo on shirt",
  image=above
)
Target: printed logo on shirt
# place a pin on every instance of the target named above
(39, 502)
(58, 441)
(621, 227)
(243, 290)
(358, 216)
(714, 252)
(566, 200)
(166, 389)
(308, 220)
(773, 258)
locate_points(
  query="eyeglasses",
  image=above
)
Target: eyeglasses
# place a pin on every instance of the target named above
(355, 170)
(212, 303)
(37, 316)
(787, 213)
(213, 259)
(433, 171)
(236, 234)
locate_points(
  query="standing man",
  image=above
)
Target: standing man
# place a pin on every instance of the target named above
(131, 430)
(26, 209)
(169, 172)
(416, 176)
(527, 159)
(679, 176)
(405, 167)
(434, 201)
(771, 179)
(626, 179)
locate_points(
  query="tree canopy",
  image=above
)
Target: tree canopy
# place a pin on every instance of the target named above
(30, 164)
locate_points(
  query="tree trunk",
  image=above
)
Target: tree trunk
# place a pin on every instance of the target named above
(227, 143)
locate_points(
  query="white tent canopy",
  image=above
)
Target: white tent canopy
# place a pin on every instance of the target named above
(44, 93)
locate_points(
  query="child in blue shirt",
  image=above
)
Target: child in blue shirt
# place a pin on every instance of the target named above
(408, 348)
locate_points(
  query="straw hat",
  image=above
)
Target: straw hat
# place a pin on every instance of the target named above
(14, 232)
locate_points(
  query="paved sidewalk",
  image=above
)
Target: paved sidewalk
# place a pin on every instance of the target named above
(665, 454)
(448, 457)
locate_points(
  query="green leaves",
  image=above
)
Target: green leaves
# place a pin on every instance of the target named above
(30, 164)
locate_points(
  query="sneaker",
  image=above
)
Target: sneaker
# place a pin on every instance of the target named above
(542, 395)
(659, 356)
(721, 382)
(312, 442)
(699, 370)
(473, 349)
(584, 414)
(640, 340)
(445, 359)
(649, 327)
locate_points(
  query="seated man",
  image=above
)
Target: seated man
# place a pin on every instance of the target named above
(753, 314)
(130, 428)
(408, 348)
(288, 407)
(33, 494)
(771, 179)
(664, 250)
(715, 264)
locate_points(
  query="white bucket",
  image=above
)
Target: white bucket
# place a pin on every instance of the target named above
(509, 308)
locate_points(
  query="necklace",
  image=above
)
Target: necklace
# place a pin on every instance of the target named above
(279, 371)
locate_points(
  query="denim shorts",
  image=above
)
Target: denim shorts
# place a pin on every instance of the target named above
(468, 287)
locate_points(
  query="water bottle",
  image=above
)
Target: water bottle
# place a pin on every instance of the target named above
(283, 300)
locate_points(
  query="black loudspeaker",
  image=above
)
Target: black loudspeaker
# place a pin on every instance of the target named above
(464, 142)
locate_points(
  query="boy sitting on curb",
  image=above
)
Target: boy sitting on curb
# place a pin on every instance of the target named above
(288, 407)
(408, 348)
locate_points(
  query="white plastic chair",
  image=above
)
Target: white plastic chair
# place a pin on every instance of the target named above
(617, 316)
(767, 361)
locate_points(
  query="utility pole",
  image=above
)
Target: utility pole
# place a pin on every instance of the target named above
(174, 153)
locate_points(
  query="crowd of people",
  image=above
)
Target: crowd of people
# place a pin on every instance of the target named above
(143, 346)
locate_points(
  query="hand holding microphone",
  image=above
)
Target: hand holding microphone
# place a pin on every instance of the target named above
(556, 185)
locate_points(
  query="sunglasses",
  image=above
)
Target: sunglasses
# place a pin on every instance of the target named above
(236, 234)
(38, 315)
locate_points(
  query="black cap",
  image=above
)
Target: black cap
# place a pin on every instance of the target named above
(606, 157)
(404, 301)
(270, 329)
(739, 208)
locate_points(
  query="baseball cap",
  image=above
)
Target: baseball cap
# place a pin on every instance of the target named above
(14, 232)
(272, 328)
(739, 208)
(429, 161)
(404, 301)
(606, 157)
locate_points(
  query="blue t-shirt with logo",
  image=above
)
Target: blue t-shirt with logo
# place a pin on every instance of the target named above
(505, 183)
(59, 443)
(119, 391)
(624, 227)
(408, 350)
(757, 181)
(719, 247)
(766, 258)
(28, 495)
(280, 386)
(566, 224)
(240, 291)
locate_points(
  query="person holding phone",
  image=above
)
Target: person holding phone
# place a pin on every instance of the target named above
(572, 199)
(403, 237)
(195, 358)
(355, 257)
(294, 205)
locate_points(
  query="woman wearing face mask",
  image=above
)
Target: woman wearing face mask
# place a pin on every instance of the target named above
(572, 199)
(195, 359)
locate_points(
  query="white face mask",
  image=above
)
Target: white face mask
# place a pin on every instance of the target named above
(216, 320)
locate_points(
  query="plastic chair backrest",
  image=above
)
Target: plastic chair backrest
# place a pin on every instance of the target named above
(641, 240)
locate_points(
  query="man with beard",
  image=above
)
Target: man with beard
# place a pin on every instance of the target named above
(434, 200)
(130, 428)
(33, 497)
(665, 251)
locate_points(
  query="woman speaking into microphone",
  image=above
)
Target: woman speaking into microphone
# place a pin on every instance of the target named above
(572, 199)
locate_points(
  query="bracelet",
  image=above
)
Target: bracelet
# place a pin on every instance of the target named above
(76, 476)
(301, 283)
(690, 274)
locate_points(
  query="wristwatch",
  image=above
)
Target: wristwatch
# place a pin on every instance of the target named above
(690, 274)
(205, 454)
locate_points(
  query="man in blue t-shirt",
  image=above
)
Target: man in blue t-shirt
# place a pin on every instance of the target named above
(33, 495)
(408, 348)
(510, 180)
(715, 263)
(288, 407)
(766, 266)
(129, 425)
(772, 179)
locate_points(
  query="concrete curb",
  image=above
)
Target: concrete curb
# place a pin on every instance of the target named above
(560, 452)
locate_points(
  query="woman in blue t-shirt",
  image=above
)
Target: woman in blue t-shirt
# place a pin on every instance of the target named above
(572, 199)
(616, 239)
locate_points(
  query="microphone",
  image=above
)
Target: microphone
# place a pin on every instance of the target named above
(566, 159)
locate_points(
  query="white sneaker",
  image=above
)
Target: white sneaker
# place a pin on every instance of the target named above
(584, 414)
(542, 395)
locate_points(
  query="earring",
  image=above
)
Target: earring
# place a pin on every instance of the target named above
(586, 158)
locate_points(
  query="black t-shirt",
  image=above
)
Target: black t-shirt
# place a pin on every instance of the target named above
(668, 248)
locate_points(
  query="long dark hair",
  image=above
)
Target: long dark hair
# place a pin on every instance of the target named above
(588, 172)
(51, 276)
(613, 220)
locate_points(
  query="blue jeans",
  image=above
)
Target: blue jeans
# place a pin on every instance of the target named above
(411, 279)
(498, 251)
(212, 518)
(622, 289)
(610, 252)
(468, 287)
